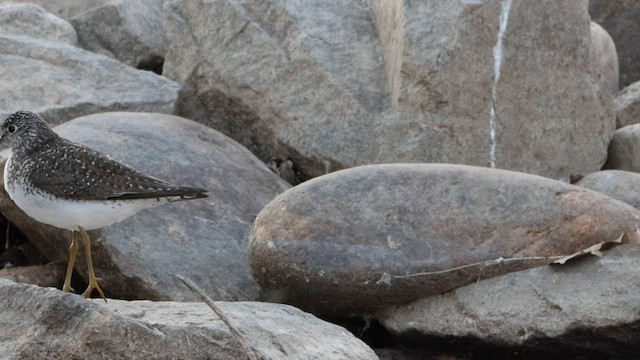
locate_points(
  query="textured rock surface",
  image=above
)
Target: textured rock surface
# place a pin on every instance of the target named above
(130, 31)
(604, 58)
(42, 323)
(627, 104)
(49, 275)
(203, 239)
(19, 19)
(66, 9)
(624, 150)
(60, 81)
(617, 184)
(585, 309)
(620, 19)
(312, 81)
(345, 242)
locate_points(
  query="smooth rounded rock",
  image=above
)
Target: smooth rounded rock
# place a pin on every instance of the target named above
(139, 257)
(604, 58)
(369, 237)
(627, 104)
(617, 184)
(624, 149)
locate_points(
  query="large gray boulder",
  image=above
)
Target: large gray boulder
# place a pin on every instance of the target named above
(130, 31)
(335, 84)
(139, 257)
(43, 71)
(40, 323)
(584, 309)
(375, 236)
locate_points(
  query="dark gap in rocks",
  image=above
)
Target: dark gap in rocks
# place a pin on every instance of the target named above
(15, 248)
(414, 346)
(154, 64)
(369, 331)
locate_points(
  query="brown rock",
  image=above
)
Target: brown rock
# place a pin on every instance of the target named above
(139, 257)
(370, 237)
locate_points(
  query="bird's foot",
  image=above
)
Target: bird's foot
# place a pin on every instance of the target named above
(68, 288)
(93, 284)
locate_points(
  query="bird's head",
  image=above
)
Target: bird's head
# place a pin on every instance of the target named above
(24, 129)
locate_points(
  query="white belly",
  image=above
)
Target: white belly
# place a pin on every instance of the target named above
(70, 214)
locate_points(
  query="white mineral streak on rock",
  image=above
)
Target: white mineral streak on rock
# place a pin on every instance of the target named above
(497, 64)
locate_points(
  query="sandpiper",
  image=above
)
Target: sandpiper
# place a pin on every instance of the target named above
(71, 186)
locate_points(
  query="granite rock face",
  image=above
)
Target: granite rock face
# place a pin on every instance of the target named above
(206, 239)
(335, 84)
(371, 237)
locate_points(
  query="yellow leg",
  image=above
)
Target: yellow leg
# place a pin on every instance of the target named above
(93, 280)
(73, 250)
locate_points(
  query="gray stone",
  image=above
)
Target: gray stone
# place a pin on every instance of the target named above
(19, 19)
(49, 275)
(617, 184)
(40, 323)
(139, 257)
(627, 104)
(604, 58)
(584, 309)
(370, 237)
(620, 19)
(624, 150)
(65, 9)
(128, 30)
(60, 81)
(335, 84)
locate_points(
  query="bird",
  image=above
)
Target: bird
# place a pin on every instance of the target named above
(74, 187)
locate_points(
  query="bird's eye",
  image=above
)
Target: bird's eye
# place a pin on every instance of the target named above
(11, 129)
